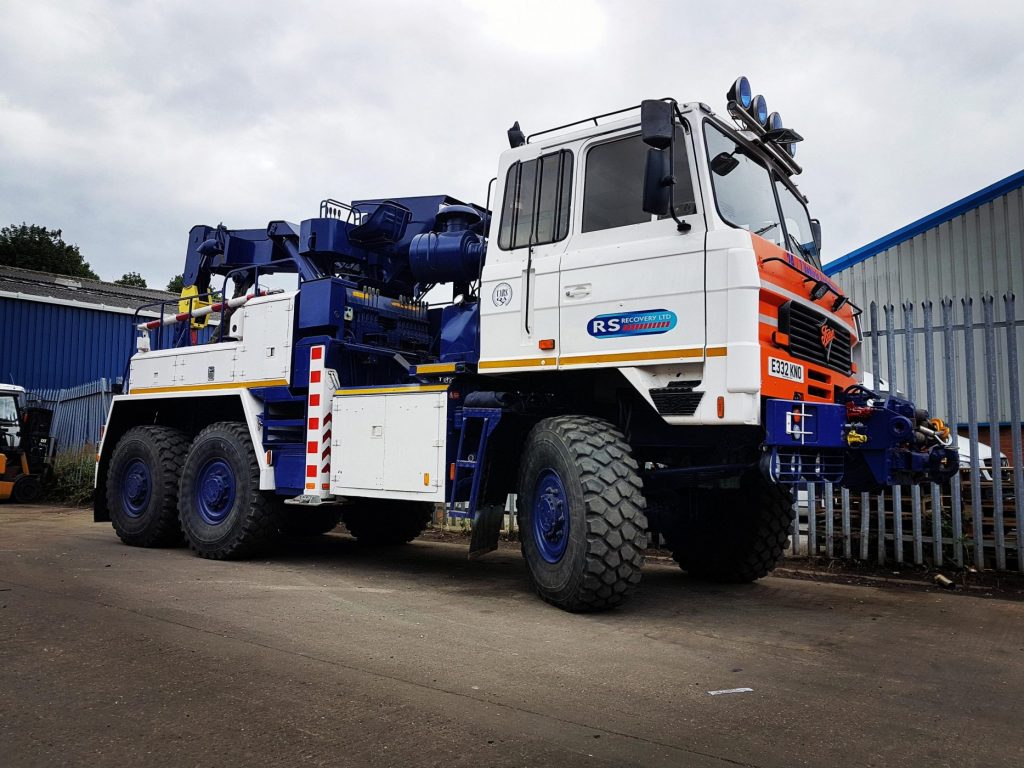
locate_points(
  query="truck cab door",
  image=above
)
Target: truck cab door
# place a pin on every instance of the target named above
(632, 285)
(520, 282)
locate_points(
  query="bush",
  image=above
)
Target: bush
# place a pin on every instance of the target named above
(70, 480)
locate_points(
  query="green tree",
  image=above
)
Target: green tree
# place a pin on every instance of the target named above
(175, 284)
(31, 246)
(132, 280)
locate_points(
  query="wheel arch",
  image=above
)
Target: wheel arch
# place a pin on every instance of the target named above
(189, 414)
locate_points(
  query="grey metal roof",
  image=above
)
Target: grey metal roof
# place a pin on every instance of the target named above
(31, 285)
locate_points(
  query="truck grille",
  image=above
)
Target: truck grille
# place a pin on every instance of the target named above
(677, 399)
(814, 337)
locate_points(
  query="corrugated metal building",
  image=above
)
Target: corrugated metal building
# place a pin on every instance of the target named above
(967, 250)
(61, 331)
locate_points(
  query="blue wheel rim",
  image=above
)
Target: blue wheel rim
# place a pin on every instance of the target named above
(215, 491)
(136, 488)
(550, 516)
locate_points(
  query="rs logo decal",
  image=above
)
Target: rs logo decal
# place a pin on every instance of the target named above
(642, 323)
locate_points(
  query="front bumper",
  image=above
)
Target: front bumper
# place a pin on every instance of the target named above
(863, 442)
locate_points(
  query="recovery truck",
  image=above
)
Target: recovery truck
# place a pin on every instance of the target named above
(639, 339)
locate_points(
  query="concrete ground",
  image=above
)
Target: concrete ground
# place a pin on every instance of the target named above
(329, 654)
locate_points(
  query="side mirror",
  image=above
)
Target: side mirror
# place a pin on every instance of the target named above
(656, 126)
(658, 181)
(816, 233)
(724, 163)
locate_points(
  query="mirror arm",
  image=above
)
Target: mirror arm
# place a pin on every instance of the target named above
(681, 226)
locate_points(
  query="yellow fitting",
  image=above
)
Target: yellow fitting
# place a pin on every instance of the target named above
(940, 428)
(190, 302)
(855, 438)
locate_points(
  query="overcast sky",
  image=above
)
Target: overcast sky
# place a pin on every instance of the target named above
(125, 123)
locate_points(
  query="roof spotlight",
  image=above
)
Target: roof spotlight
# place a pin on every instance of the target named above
(740, 92)
(774, 121)
(792, 149)
(759, 109)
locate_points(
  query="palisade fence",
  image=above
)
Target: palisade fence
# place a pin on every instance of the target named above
(966, 371)
(78, 415)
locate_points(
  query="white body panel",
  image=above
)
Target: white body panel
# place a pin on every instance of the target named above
(262, 353)
(390, 445)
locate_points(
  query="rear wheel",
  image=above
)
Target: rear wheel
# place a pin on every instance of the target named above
(142, 486)
(581, 513)
(386, 522)
(731, 535)
(223, 512)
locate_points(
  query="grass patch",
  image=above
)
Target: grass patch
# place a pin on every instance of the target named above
(70, 480)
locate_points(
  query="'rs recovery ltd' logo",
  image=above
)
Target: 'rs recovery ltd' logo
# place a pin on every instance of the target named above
(641, 323)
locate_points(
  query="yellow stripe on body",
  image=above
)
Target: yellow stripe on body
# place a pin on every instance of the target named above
(640, 358)
(207, 387)
(436, 368)
(401, 389)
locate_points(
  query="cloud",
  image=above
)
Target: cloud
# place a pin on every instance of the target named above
(126, 123)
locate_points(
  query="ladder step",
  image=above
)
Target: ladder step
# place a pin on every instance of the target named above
(466, 463)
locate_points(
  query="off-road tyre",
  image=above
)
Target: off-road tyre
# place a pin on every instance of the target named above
(386, 522)
(303, 522)
(251, 522)
(150, 456)
(732, 535)
(603, 551)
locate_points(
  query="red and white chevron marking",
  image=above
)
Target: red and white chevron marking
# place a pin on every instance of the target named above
(322, 384)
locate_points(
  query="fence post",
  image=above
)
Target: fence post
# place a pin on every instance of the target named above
(929, 381)
(829, 522)
(988, 315)
(911, 359)
(972, 419)
(1015, 425)
(949, 353)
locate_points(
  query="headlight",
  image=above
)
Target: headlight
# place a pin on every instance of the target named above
(759, 109)
(740, 92)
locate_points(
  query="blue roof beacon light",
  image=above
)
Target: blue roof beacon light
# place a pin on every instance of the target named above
(759, 109)
(774, 121)
(740, 92)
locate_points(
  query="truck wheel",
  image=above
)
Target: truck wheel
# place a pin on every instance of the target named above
(142, 486)
(27, 489)
(734, 536)
(386, 522)
(301, 521)
(223, 512)
(580, 509)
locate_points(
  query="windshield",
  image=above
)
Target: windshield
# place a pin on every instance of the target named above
(798, 225)
(743, 187)
(8, 410)
(745, 192)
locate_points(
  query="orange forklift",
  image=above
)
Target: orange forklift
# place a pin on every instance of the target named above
(25, 446)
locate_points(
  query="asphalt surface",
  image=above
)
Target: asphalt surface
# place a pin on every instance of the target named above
(330, 654)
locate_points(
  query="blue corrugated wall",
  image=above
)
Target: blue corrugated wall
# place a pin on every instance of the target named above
(46, 346)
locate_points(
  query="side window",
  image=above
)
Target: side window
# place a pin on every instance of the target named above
(535, 210)
(614, 184)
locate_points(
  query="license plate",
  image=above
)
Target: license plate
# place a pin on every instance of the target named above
(783, 369)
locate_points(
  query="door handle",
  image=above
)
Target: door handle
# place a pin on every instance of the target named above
(577, 291)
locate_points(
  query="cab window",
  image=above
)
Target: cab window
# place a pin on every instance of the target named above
(614, 180)
(535, 210)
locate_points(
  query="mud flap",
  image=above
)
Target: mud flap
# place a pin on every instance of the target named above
(486, 529)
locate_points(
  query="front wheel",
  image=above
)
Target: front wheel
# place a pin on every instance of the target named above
(223, 512)
(581, 513)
